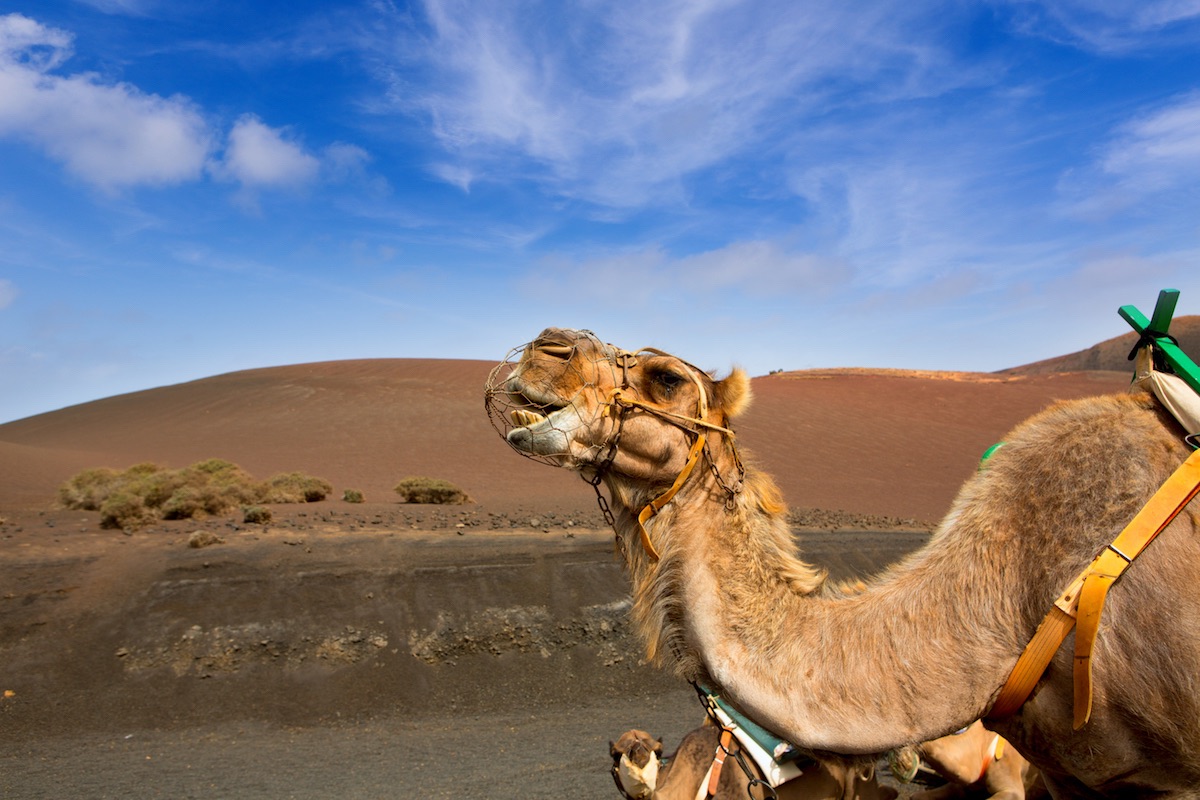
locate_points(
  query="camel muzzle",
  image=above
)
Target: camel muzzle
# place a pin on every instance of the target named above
(532, 395)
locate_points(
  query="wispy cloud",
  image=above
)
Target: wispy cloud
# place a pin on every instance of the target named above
(664, 90)
(1148, 166)
(1111, 26)
(128, 7)
(8, 293)
(746, 269)
(1158, 149)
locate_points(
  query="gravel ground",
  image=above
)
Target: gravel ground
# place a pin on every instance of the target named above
(523, 713)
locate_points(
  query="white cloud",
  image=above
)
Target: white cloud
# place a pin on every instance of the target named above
(258, 155)
(110, 135)
(25, 40)
(8, 293)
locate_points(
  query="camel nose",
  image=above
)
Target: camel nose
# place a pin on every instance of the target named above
(556, 343)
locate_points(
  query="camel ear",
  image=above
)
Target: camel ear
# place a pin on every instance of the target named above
(733, 393)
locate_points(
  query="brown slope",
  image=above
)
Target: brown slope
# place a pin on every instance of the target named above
(892, 442)
(865, 441)
(1113, 354)
(358, 424)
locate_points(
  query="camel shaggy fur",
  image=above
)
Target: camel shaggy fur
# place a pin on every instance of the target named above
(680, 776)
(924, 650)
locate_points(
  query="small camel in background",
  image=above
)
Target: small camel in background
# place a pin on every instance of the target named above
(976, 762)
(641, 773)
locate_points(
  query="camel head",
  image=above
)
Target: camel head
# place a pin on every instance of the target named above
(571, 400)
(636, 757)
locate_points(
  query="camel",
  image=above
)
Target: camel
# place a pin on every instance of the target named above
(721, 596)
(976, 763)
(642, 773)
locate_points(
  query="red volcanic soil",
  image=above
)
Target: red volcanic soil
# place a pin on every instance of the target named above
(895, 443)
(880, 442)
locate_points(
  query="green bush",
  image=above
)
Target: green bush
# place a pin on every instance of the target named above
(431, 490)
(144, 492)
(87, 489)
(152, 483)
(295, 487)
(256, 515)
(124, 511)
(352, 496)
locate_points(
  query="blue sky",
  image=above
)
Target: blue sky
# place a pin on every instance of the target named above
(188, 189)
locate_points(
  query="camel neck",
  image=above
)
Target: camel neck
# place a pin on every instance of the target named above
(730, 603)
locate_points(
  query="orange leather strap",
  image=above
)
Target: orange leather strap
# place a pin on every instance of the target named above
(657, 503)
(714, 772)
(1083, 601)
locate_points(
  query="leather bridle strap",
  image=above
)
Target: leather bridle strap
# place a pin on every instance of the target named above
(654, 506)
(712, 778)
(1083, 601)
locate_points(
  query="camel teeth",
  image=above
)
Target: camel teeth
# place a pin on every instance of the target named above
(523, 418)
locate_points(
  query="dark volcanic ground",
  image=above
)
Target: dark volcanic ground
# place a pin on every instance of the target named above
(350, 651)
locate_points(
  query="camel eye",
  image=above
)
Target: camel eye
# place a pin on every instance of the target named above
(668, 381)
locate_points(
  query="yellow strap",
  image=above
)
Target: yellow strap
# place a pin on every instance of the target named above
(1084, 598)
(1091, 605)
(1164, 506)
(1033, 662)
(657, 503)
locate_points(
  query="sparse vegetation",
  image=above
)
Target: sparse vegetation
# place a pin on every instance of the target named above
(145, 492)
(431, 490)
(295, 487)
(352, 496)
(204, 539)
(88, 489)
(124, 510)
(257, 515)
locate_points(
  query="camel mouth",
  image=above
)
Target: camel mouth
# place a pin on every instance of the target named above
(524, 418)
(530, 408)
(527, 408)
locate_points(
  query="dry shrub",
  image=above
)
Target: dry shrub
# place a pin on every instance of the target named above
(352, 496)
(204, 539)
(256, 515)
(144, 492)
(431, 490)
(87, 490)
(295, 487)
(125, 511)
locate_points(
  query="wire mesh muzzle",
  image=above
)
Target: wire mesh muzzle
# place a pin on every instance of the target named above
(570, 379)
